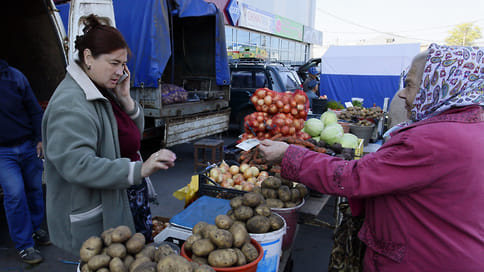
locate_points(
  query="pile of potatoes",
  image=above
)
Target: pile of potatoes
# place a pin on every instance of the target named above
(282, 193)
(252, 211)
(225, 244)
(118, 250)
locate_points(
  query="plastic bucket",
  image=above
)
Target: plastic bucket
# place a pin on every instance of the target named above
(363, 132)
(290, 215)
(271, 242)
(250, 267)
(319, 105)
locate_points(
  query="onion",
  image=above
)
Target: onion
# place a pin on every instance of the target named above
(243, 167)
(234, 169)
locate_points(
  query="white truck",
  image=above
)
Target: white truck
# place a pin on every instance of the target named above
(181, 42)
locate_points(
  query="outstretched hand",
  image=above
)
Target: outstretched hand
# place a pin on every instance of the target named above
(273, 151)
(161, 159)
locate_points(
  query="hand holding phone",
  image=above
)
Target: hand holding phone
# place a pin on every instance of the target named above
(123, 77)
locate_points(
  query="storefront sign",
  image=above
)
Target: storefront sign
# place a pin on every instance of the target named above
(256, 19)
(287, 28)
(233, 12)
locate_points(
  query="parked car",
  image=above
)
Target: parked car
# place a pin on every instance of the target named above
(248, 76)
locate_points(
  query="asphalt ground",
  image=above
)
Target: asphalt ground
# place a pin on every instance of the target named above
(310, 251)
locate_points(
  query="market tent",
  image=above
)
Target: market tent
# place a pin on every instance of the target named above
(371, 72)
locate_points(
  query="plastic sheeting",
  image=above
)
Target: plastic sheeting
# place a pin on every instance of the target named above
(369, 72)
(145, 26)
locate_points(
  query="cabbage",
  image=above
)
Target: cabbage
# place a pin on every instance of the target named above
(313, 126)
(332, 133)
(349, 141)
(316, 138)
(328, 118)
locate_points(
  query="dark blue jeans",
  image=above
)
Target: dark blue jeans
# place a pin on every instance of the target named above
(21, 181)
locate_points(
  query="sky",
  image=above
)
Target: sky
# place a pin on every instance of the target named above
(345, 22)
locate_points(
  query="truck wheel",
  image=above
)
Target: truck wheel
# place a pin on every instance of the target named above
(241, 116)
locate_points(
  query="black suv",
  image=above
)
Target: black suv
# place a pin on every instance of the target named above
(250, 76)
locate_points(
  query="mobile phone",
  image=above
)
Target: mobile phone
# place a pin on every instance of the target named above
(123, 77)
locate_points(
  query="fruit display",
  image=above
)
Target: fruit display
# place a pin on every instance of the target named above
(243, 177)
(361, 116)
(118, 250)
(277, 114)
(225, 244)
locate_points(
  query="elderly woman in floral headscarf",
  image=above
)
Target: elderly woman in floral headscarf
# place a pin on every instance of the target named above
(422, 192)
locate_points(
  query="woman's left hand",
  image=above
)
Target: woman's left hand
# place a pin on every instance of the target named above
(123, 94)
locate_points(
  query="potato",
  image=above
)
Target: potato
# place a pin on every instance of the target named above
(275, 203)
(204, 268)
(295, 195)
(271, 182)
(241, 259)
(136, 243)
(117, 265)
(252, 199)
(98, 261)
(286, 182)
(276, 222)
(121, 234)
(223, 221)
(243, 213)
(250, 252)
(148, 251)
(240, 234)
(269, 193)
(190, 240)
(198, 228)
(128, 260)
(106, 236)
(302, 189)
(199, 260)
(137, 262)
(91, 247)
(146, 267)
(163, 251)
(289, 204)
(174, 263)
(236, 202)
(230, 213)
(258, 224)
(208, 228)
(116, 250)
(263, 210)
(256, 189)
(102, 269)
(85, 268)
(221, 238)
(202, 247)
(284, 193)
(222, 257)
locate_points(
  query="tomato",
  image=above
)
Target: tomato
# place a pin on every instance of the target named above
(285, 130)
(286, 108)
(268, 100)
(261, 93)
(279, 104)
(300, 98)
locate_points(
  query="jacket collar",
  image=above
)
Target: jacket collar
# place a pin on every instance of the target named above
(86, 84)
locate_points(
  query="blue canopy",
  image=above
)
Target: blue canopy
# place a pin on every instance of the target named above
(145, 26)
(371, 72)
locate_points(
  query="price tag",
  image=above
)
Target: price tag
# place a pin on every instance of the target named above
(248, 144)
(348, 104)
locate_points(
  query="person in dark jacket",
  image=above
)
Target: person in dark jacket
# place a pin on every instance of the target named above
(313, 74)
(313, 92)
(20, 163)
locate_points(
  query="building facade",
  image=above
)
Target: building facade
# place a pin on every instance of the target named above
(276, 30)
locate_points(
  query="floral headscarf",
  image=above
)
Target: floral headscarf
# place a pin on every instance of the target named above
(453, 77)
